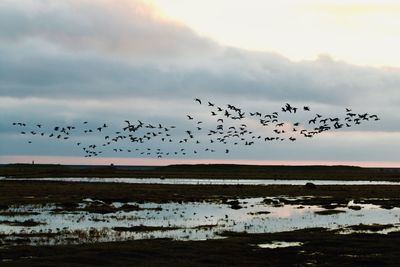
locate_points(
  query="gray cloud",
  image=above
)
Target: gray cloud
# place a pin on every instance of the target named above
(110, 60)
(239, 74)
(124, 27)
(106, 49)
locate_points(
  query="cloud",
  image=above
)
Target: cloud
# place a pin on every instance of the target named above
(126, 27)
(108, 60)
(104, 48)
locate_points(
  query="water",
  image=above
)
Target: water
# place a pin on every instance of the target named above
(279, 244)
(192, 181)
(179, 221)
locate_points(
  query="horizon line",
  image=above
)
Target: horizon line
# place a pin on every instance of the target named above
(72, 160)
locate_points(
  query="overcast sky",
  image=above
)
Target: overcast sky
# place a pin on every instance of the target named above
(69, 61)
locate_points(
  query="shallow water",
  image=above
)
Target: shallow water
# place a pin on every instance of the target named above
(192, 181)
(181, 221)
(279, 244)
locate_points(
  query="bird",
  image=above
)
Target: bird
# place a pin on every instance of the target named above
(225, 132)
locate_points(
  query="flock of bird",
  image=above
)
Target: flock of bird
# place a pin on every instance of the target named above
(231, 126)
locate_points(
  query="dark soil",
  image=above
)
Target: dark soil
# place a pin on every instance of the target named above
(27, 223)
(143, 228)
(329, 212)
(227, 171)
(320, 248)
(68, 194)
(373, 227)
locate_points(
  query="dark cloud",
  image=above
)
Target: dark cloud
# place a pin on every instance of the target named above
(108, 60)
(42, 74)
(96, 49)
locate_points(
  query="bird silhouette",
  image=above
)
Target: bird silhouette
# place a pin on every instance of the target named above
(231, 130)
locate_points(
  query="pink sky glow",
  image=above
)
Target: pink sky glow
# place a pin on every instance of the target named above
(150, 162)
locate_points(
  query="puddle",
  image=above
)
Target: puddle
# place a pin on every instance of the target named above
(82, 222)
(280, 244)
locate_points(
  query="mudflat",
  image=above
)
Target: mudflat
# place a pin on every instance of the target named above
(364, 246)
(319, 248)
(36, 192)
(214, 171)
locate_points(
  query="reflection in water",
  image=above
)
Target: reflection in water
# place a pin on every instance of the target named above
(180, 221)
(191, 181)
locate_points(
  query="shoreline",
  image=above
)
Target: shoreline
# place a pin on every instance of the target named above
(319, 246)
(210, 171)
(36, 192)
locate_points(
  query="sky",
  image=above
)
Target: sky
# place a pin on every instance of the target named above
(69, 61)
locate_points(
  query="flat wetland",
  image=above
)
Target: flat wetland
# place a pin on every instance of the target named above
(51, 223)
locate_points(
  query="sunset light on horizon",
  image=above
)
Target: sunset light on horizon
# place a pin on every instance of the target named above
(164, 162)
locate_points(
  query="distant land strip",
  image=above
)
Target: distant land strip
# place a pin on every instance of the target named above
(202, 171)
